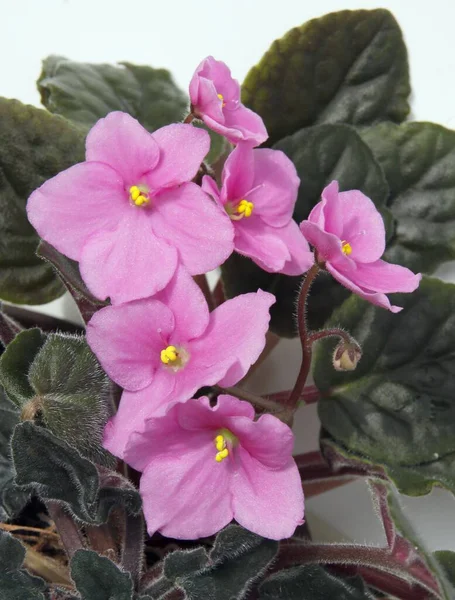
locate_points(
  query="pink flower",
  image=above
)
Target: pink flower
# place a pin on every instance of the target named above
(162, 350)
(259, 191)
(129, 213)
(215, 98)
(204, 466)
(349, 236)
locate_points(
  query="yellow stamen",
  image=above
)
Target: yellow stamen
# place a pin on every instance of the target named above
(221, 97)
(220, 443)
(346, 248)
(169, 355)
(139, 195)
(245, 208)
(222, 455)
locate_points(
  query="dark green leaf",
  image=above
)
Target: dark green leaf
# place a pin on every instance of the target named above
(237, 559)
(16, 583)
(397, 408)
(348, 66)
(73, 391)
(34, 146)
(321, 154)
(85, 92)
(312, 582)
(54, 470)
(11, 498)
(418, 160)
(446, 559)
(98, 578)
(15, 364)
(59, 380)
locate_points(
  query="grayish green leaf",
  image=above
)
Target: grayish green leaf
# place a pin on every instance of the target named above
(98, 578)
(418, 160)
(348, 66)
(397, 408)
(16, 583)
(34, 146)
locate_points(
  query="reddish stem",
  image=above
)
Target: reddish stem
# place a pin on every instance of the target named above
(188, 118)
(304, 338)
(218, 293)
(325, 333)
(310, 395)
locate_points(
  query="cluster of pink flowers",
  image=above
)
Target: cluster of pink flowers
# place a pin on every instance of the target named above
(140, 228)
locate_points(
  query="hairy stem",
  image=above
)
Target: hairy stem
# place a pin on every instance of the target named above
(304, 337)
(325, 333)
(377, 560)
(70, 534)
(133, 547)
(309, 395)
(258, 401)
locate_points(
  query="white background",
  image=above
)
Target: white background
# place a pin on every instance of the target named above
(177, 35)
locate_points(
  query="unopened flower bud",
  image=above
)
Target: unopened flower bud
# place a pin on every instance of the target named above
(346, 355)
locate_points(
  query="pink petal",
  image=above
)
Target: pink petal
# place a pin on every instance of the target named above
(261, 243)
(267, 501)
(210, 187)
(268, 439)
(328, 246)
(330, 210)
(240, 125)
(278, 182)
(363, 226)
(187, 302)
(197, 415)
(133, 411)
(378, 299)
(235, 336)
(128, 340)
(382, 276)
(189, 220)
(185, 491)
(207, 101)
(129, 262)
(244, 125)
(122, 143)
(182, 150)
(218, 74)
(238, 173)
(301, 258)
(67, 209)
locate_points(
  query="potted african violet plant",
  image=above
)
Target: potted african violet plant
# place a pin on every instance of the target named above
(135, 465)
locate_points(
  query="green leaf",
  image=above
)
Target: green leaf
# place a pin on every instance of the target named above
(58, 379)
(418, 160)
(446, 559)
(348, 66)
(12, 500)
(73, 391)
(312, 582)
(85, 92)
(397, 408)
(34, 146)
(55, 470)
(16, 583)
(320, 154)
(237, 559)
(15, 364)
(98, 578)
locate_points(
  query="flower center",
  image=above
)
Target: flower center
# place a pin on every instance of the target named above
(139, 195)
(243, 209)
(174, 358)
(223, 441)
(221, 97)
(346, 247)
